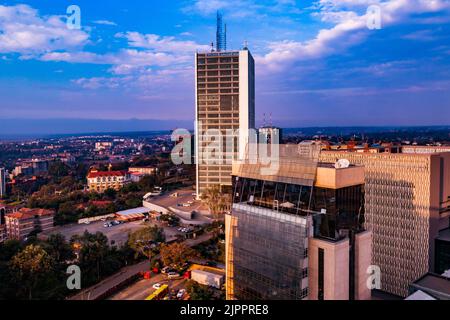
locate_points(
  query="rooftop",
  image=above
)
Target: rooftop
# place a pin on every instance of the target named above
(434, 285)
(26, 213)
(96, 174)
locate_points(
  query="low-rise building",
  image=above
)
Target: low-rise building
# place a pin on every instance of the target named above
(21, 223)
(100, 181)
(144, 170)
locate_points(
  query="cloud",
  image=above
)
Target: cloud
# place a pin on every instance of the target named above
(23, 31)
(161, 44)
(350, 29)
(105, 22)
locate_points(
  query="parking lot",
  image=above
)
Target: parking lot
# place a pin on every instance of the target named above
(118, 234)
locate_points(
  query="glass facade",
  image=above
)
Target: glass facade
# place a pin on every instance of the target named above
(335, 211)
(269, 255)
(273, 221)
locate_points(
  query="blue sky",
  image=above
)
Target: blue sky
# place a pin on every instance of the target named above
(317, 62)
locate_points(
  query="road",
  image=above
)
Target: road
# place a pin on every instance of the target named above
(99, 289)
(143, 288)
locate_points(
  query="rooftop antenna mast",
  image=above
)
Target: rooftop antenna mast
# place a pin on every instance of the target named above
(221, 34)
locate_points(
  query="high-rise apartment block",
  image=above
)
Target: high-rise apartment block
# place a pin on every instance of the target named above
(297, 233)
(225, 111)
(407, 204)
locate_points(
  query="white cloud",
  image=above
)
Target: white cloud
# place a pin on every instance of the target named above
(105, 22)
(161, 44)
(23, 31)
(350, 29)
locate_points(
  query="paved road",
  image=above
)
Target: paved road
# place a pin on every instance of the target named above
(99, 289)
(143, 288)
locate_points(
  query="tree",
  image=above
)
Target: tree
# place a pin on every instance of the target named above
(216, 201)
(94, 250)
(60, 250)
(198, 292)
(144, 241)
(58, 169)
(110, 193)
(176, 254)
(31, 265)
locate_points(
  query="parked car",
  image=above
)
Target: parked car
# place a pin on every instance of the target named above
(172, 275)
(106, 225)
(181, 293)
(165, 270)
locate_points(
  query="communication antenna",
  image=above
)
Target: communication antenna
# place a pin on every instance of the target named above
(245, 45)
(221, 34)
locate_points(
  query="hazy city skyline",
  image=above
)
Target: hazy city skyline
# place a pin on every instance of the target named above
(317, 62)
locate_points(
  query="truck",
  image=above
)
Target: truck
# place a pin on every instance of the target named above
(208, 278)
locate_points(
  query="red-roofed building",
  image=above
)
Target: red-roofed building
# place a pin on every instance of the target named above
(100, 181)
(21, 223)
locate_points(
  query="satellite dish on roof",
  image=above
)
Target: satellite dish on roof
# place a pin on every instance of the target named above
(342, 164)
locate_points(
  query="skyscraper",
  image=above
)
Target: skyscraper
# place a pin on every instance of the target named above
(225, 111)
(407, 209)
(297, 234)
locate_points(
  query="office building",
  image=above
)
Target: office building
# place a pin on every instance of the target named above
(225, 111)
(407, 205)
(20, 224)
(100, 181)
(2, 182)
(297, 233)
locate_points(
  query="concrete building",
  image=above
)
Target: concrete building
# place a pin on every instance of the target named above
(100, 181)
(225, 103)
(21, 223)
(297, 234)
(407, 203)
(2, 182)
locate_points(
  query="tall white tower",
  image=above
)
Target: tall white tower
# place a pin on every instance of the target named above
(225, 104)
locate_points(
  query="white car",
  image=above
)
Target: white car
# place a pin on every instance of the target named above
(181, 293)
(157, 286)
